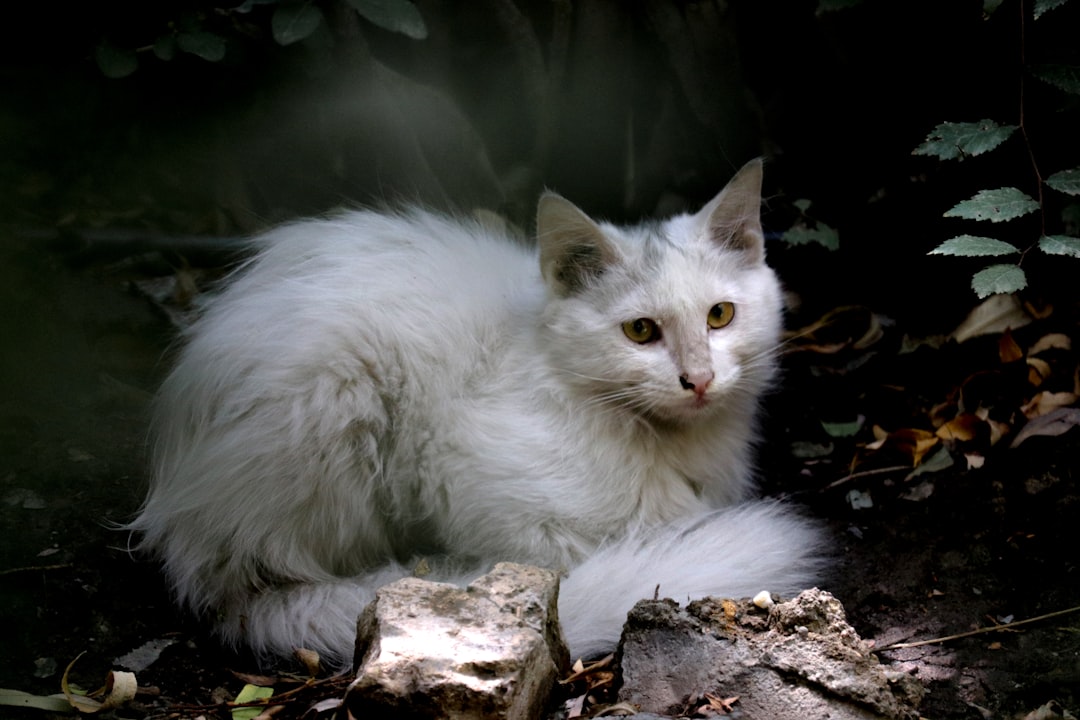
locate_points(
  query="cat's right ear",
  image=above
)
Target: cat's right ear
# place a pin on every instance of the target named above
(573, 248)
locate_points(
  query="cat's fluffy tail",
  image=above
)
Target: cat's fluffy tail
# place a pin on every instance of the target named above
(735, 552)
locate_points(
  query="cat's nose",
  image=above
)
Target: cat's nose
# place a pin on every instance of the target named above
(697, 381)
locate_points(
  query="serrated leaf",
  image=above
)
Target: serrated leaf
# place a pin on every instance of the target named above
(995, 205)
(206, 45)
(998, 279)
(822, 234)
(949, 141)
(115, 62)
(292, 22)
(1063, 77)
(1044, 6)
(973, 246)
(1066, 181)
(1060, 245)
(399, 16)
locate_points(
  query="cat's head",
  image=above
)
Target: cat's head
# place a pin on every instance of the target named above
(669, 318)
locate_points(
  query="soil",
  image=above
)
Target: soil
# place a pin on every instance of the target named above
(940, 554)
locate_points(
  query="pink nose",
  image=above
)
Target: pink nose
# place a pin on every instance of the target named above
(696, 381)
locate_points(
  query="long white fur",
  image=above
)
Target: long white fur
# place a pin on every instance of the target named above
(376, 388)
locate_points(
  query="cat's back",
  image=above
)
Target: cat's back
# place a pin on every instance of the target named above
(395, 297)
(399, 258)
(411, 273)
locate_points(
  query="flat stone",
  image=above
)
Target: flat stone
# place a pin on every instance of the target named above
(435, 650)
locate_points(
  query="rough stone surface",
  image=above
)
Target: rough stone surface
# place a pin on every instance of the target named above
(434, 650)
(797, 660)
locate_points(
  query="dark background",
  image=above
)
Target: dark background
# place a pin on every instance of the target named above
(630, 109)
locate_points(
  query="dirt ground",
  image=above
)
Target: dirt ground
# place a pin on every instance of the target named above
(940, 554)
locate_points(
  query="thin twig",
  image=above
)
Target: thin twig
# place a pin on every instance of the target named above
(35, 568)
(866, 473)
(980, 631)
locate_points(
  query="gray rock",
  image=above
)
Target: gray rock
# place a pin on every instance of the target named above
(800, 659)
(434, 650)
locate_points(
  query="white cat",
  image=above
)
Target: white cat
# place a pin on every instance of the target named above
(378, 388)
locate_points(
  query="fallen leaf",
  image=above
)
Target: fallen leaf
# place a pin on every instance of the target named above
(1046, 402)
(859, 500)
(1050, 711)
(961, 428)
(1008, 349)
(721, 703)
(996, 314)
(920, 492)
(1038, 370)
(310, 660)
(119, 688)
(937, 462)
(249, 694)
(974, 460)
(1052, 424)
(1053, 341)
(49, 703)
(145, 655)
(913, 442)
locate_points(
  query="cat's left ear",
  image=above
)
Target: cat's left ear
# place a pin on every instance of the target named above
(732, 219)
(573, 248)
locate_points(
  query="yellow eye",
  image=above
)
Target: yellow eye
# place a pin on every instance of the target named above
(642, 330)
(721, 315)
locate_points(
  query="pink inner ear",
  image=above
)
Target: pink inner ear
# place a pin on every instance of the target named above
(733, 218)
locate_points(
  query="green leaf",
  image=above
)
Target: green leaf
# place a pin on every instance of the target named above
(825, 6)
(989, 6)
(165, 47)
(949, 141)
(802, 204)
(973, 246)
(1066, 181)
(998, 279)
(1063, 77)
(206, 45)
(822, 234)
(1070, 215)
(251, 693)
(1043, 6)
(995, 205)
(292, 22)
(843, 429)
(115, 62)
(399, 16)
(1060, 245)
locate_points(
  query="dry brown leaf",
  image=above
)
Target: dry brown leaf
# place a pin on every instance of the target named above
(913, 442)
(1038, 370)
(1008, 349)
(962, 428)
(581, 670)
(119, 689)
(721, 704)
(1053, 341)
